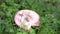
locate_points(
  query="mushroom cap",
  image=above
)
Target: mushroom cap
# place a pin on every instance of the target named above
(32, 18)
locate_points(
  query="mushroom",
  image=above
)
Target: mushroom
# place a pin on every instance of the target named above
(26, 18)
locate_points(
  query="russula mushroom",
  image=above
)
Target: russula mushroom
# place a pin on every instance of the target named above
(26, 18)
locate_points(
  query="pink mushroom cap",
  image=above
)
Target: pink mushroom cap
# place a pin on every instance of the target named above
(33, 17)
